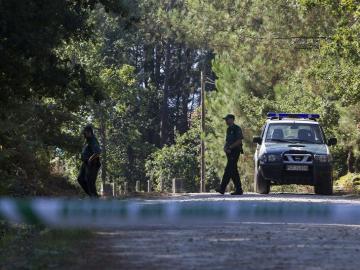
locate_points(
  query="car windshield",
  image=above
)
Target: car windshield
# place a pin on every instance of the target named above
(294, 132)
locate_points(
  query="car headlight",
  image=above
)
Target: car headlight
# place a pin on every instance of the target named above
(273, 158)
(263, 159)
(270, 158)
(323, 158)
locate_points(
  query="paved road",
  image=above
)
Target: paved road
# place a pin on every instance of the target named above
(258, 242)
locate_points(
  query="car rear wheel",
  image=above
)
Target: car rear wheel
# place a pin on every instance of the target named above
(324, 187)
(262, 186)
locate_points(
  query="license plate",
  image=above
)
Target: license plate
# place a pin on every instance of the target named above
(300, 168)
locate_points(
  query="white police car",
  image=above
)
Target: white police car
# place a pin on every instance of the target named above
(292, 149)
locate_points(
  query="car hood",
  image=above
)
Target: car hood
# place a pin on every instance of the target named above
(278, 148)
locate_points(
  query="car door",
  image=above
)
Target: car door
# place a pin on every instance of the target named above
(258, 146)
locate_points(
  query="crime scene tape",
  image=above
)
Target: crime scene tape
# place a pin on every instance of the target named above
(92, 213)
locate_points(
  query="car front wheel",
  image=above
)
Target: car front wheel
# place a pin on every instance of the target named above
(324, 187)
(262, 186)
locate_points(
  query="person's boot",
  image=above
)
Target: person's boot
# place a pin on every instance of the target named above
(220, 191)
(239, 192)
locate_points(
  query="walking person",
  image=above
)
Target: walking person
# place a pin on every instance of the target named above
(90, 157)
(233, 149)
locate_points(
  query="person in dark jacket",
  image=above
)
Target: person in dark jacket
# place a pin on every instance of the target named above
(90, 157)
(233, 149)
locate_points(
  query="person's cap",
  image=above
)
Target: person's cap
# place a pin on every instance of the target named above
(88, 128)
(229, 116)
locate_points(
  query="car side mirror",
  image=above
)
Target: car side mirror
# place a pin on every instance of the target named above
(332, 141)
(257, 140)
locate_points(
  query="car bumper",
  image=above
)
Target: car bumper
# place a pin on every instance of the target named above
(277, 174)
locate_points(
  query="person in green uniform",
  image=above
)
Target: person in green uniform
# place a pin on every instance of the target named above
(233, 149)
(90, 157)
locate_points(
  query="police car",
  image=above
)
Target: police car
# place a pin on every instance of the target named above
(292, 149)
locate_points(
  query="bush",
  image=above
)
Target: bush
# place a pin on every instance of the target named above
(180, 160)
(349, 183)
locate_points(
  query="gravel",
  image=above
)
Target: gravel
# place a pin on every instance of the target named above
(237, 246)
(240, 245)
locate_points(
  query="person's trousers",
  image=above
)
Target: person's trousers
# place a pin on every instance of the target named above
(231, 171)
(87, 177)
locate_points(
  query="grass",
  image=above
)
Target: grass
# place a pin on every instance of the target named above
(292, 189)
(36, 247)
(349, 183)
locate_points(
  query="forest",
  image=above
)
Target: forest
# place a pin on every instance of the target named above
(132, 68)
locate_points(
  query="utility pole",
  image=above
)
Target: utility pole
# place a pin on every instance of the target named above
(202, 147)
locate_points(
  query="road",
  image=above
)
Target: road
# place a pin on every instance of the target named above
(312, 241)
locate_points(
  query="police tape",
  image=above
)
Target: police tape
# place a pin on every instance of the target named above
(93, 213)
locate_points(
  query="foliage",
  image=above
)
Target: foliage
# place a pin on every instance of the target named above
(349, 183)
(179, 160)
(284, 56)
(39, 90)
(132, 69)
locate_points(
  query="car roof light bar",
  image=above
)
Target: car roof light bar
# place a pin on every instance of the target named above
(312, 116)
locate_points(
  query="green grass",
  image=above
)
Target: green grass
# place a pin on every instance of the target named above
(35, 247)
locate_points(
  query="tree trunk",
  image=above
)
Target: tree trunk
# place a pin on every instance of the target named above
(164, 127)
(157, 66)
(148, 64)
(130, 170)
(103, 139)
(351, 161)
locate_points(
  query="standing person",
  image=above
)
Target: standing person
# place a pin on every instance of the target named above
(233, 149)
(90, 157)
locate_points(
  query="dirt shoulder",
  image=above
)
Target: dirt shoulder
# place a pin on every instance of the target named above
(35, 247)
